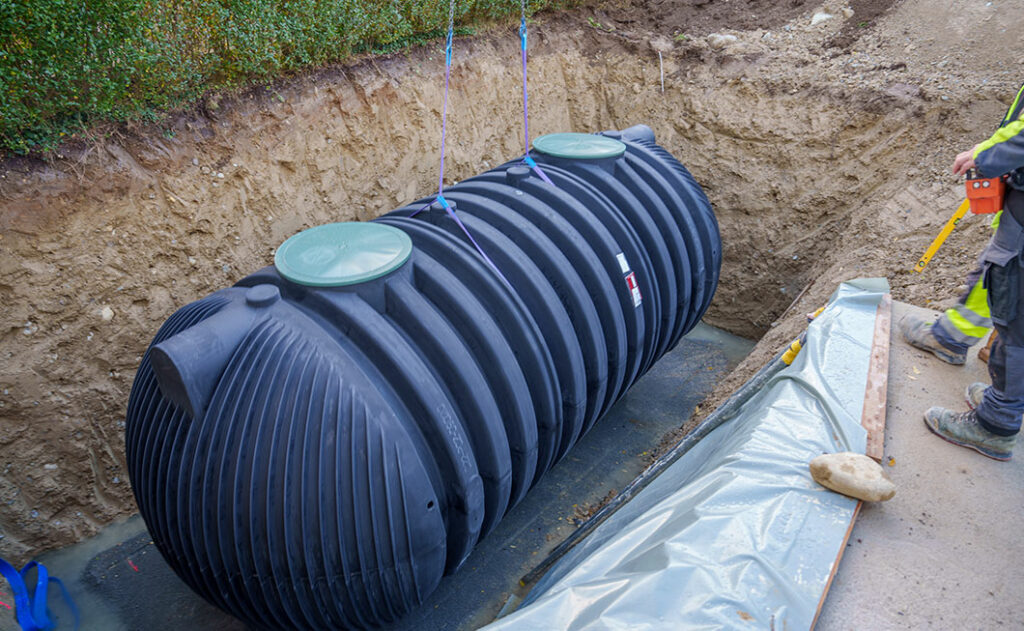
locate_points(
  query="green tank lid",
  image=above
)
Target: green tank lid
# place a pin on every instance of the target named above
(339, 254)
(579, 146)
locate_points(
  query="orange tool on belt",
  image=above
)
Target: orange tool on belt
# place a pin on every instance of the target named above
(984, 197)
(985, 193)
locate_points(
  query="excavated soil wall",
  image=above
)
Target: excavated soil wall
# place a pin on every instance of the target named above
(807, 172)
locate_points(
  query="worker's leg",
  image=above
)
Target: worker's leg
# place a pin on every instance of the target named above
(967, 323)
(1002, 407)
(959, 328)
(992, 427)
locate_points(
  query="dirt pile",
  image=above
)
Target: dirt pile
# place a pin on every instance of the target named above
(823, 163)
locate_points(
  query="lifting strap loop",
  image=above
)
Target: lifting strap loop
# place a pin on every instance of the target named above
(451, 213)
(30, 608)
(536, 169)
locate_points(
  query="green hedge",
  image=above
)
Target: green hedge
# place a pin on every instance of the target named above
(67, 63)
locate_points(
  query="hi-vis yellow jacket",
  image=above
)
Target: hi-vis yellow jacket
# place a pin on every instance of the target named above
(1003, 152)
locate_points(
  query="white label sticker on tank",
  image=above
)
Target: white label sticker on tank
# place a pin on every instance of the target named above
(634, 289)
(623, 263)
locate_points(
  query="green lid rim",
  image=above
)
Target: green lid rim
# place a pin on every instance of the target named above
(600, 147)
(292, 274)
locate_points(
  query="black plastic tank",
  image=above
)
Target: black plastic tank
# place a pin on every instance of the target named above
(315, 447)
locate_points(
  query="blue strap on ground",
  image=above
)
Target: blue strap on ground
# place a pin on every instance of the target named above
(22, 602)
(30, 608)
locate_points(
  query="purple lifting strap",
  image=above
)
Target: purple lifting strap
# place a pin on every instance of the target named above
(444, 111)
(451, 213)
(440, 179)
(526, 110)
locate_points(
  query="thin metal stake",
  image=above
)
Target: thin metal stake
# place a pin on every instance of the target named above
(661, 64)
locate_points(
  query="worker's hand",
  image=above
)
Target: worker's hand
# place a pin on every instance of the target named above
(964, 162)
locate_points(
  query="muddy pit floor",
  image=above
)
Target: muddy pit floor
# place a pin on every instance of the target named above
(823, 145)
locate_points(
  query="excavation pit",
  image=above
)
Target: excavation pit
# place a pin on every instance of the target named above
(816, 175)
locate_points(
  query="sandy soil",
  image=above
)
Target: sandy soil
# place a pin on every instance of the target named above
(823, 147)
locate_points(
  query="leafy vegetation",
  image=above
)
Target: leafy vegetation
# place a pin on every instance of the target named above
(67, 63)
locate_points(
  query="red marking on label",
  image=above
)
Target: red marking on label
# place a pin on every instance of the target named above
(6, 605)
(134, 567)
(634, 289)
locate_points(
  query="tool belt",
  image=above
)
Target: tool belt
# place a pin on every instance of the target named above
(1016, 179)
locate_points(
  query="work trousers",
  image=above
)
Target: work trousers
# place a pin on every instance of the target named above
(1002, 408)
(968, 322)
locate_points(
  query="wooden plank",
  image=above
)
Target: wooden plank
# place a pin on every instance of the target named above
(839, 557)
(873, 416)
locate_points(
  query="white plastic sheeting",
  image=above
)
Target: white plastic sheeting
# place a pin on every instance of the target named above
(735, 534)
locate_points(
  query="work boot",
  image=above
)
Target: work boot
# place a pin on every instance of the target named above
(975, 393)
(963, 428)
(918, 334)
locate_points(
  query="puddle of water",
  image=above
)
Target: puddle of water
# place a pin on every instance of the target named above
(69, 565)
(734, 347)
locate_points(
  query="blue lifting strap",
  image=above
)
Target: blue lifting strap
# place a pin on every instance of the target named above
(30, 608)
(527, 159)
(444, 129)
